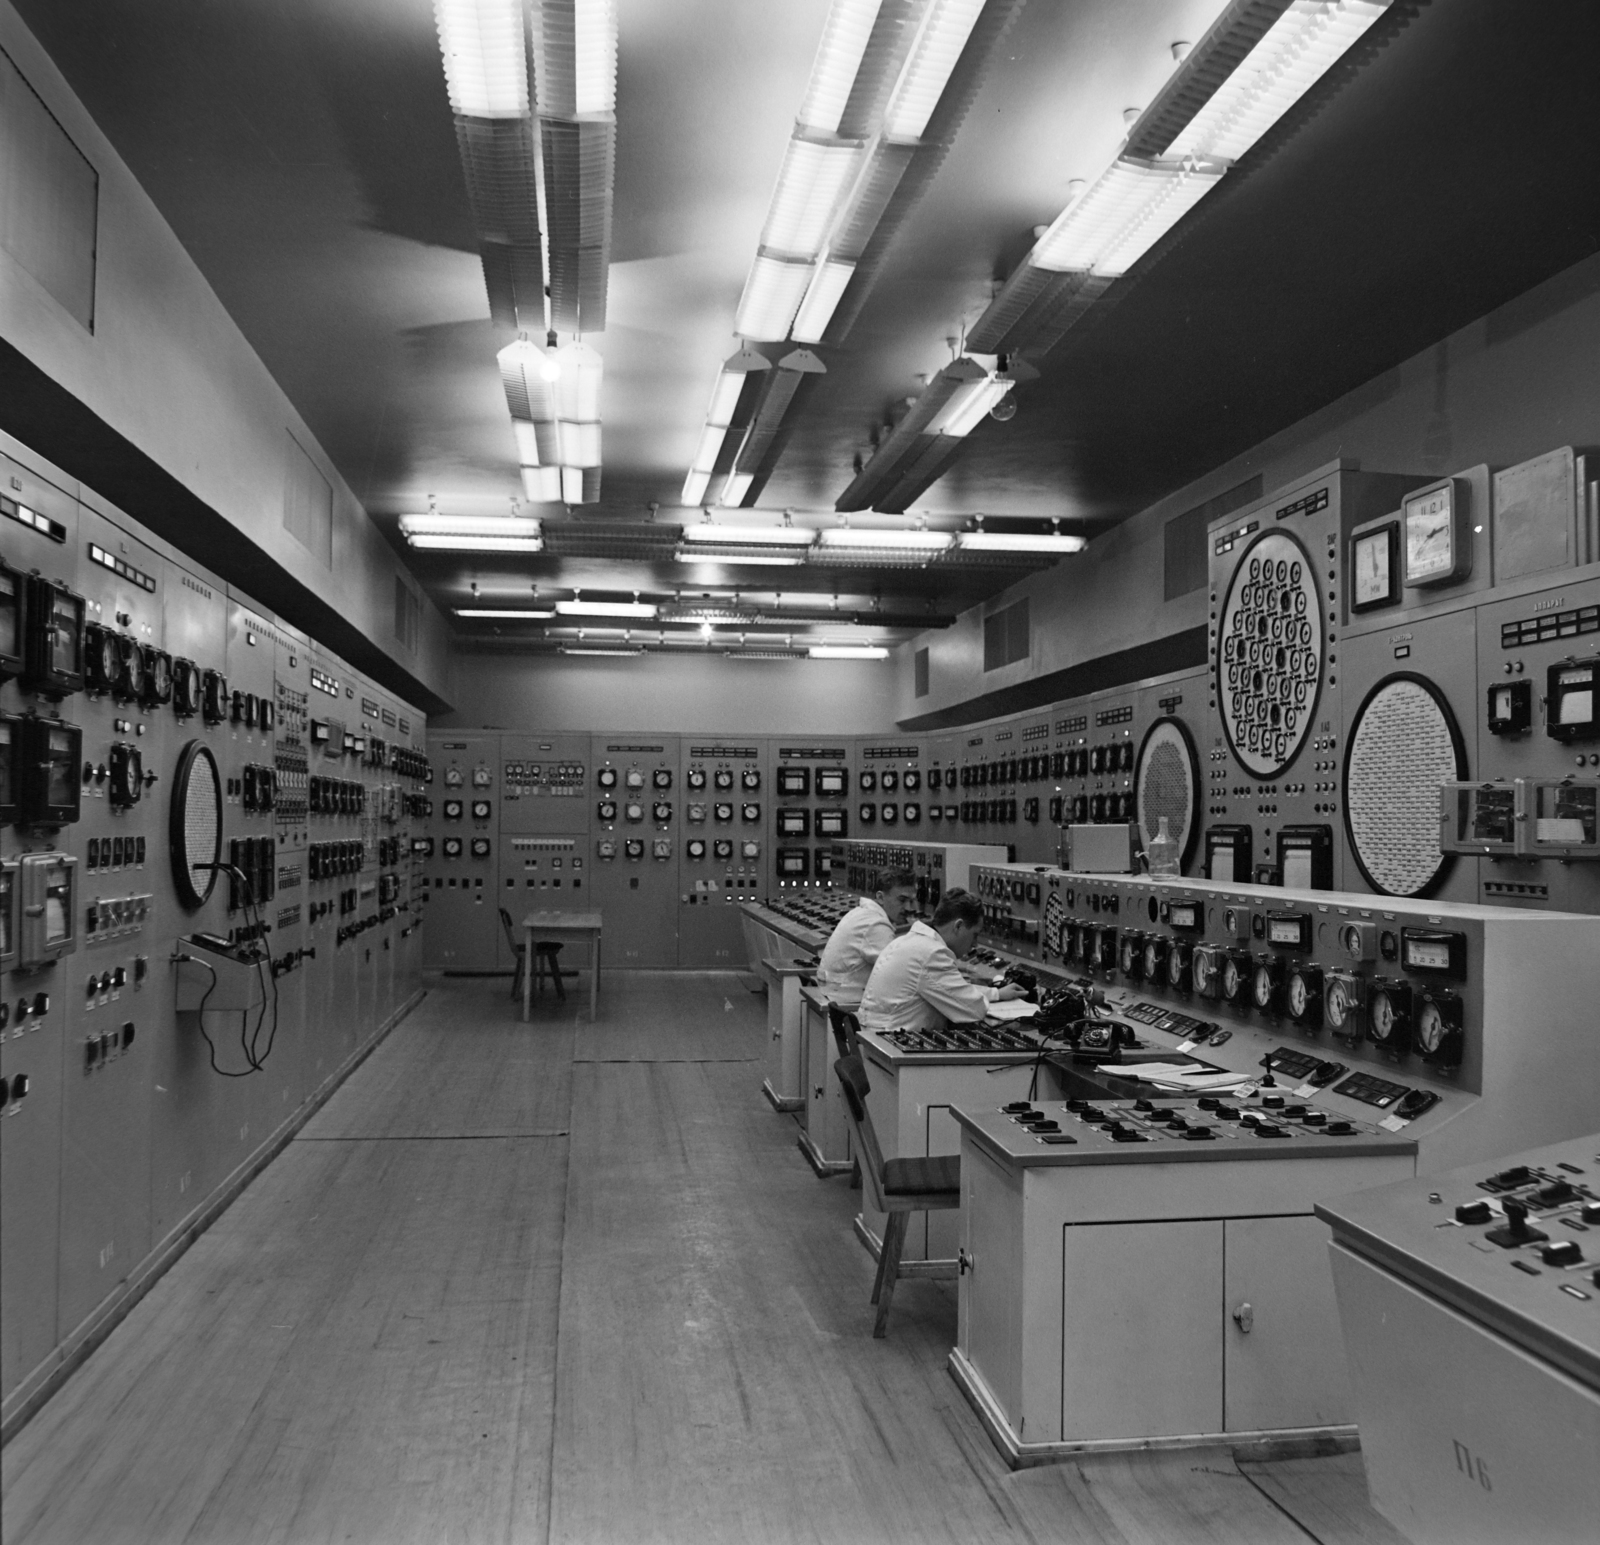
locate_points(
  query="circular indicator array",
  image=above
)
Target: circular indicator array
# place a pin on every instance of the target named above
(1402, 745)
(1269, 654)
(1055, 917)
(196, 836)
(1167, 783)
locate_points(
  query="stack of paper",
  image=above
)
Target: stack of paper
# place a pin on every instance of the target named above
(1194, 1077)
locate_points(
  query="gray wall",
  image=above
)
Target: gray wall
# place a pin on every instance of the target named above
(1520, 381)
(167, 369)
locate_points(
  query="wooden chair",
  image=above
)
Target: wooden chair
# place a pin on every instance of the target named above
(846, 1029)
(545, 960)
(898, 1187)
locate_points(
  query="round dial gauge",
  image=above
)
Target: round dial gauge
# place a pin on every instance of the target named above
(1205, 969)
(1128, 957)
(1269, 654)
(1232, 979)
(1431, 1028)
(606, 777)
(1337, 1004)
(452, 778)
(1385, 1018)
(1304, 994)
(1262, 987)
(634, 778)
(157, 677)
(1151, 959)
(1177, 965)
(1350, 939)
(130, 683)
(104, 660)
(723, 778)
(185, 687)
(697, 778)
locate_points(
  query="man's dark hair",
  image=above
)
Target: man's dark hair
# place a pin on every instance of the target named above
(958, 906)
(896, 879)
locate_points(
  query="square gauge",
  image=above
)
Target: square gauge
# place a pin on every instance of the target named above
(1375, 567)
(1438, 541)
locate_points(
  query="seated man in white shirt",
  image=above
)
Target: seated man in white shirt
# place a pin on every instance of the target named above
(863, 934)
(917, 985)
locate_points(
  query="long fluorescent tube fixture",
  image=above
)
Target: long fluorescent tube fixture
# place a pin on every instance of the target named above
(469, 525)
(776, 536)
(847, 652)
(476, 544)
(1123, 214)
(929, 542)
(485, 62)
(944, 34)
(741, 556)
(845, 36)
(606, 608)
(1019, 542)
(608, 654)
(969, 405)
(504, 614)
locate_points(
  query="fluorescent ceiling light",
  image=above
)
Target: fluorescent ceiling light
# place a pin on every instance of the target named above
(542, 485)
(705, 458)
(604, 653)
(1019, 542)
(904, 541)
(694, 486)
(778, 536)
(572, 485)
(594, 55)
(476, 544)
(810, 184)
(821, 300)
(848, 652)
(606, 608)
(469, 525)
(580, 444)
(772, 295)
(1290, 57)
(1122, 215)
(736, 487)
(844, 40)
(968, 405)
(577, 387)
(504, 614)
(934, 55)
(485, 59)
(746, 555)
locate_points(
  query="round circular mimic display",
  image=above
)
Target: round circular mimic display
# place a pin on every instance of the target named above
(1167, 783)
(1055, 915)
(1403, 744)
(1269, 654)
(196, 824)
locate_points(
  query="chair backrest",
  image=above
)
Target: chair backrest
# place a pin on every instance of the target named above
(852, 1075)
(846, 1028)
(511, 933)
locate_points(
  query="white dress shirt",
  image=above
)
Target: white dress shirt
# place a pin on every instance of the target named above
(859, 938)
(916, 985)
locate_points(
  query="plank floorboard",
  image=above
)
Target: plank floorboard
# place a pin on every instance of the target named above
(675, 1016)
(361, 1349)
(1327, 1496)
(415, 1327)
(461, 1065)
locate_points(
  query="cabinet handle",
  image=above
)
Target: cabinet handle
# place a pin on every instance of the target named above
(1245, 1318)
(965, 1263)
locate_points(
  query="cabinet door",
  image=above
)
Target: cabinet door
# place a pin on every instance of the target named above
(1141, 1349)
(1288, 1369)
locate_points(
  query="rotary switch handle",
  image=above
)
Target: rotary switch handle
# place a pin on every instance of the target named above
(1245, 1318)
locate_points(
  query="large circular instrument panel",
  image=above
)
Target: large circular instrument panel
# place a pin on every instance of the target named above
(1269, 654)
(1167, 783)
(196, 824)
(1403, 743)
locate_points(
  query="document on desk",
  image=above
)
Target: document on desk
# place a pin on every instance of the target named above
(1012, 1008)
(1191, 1076)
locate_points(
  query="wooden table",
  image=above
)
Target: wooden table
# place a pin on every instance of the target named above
(563, 926)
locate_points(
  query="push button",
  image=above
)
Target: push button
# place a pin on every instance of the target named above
(1473, 1212)
(1564, 1252)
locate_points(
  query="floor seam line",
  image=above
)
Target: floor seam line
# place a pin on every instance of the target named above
(439, 1137)
(1262, 1490)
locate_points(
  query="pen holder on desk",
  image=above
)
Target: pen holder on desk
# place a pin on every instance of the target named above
(213, 981)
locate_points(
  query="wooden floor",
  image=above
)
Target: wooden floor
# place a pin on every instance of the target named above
(563, 1282)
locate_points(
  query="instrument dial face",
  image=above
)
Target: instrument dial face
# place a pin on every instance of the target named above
(1431, 1028)
(159, 678)
(1176, 962)
(1381, 1017)
(1269, 654)
(1297, 995)
(1204, 969)
(107, 662)
(1232, 980)
(1261, 987)
(131, 684)
(1126, 956)
(1152, 962)
(1337, 1004)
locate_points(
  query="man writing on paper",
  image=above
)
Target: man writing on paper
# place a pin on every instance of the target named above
(863, 934)
(917, 985)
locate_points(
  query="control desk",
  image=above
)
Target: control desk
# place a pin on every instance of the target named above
(1470, 1302)
(1467, 1025)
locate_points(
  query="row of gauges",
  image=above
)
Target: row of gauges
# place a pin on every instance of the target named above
(455, 809)
(326, 860)
(335, 796)
(1081, 762)
(451, 847)
(661, 811)
(661, 779)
